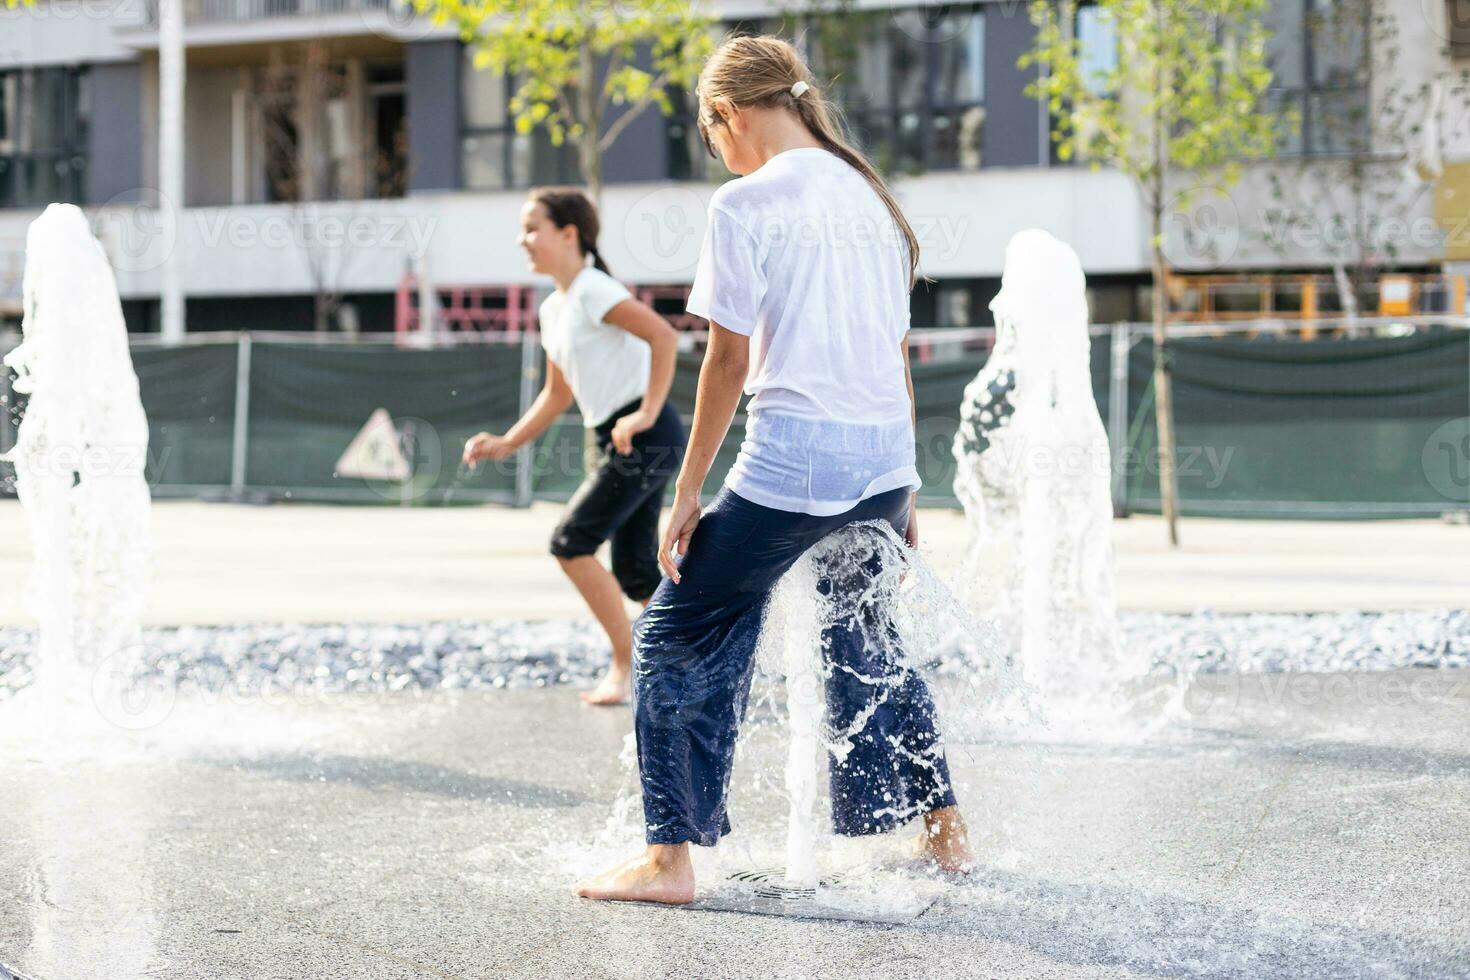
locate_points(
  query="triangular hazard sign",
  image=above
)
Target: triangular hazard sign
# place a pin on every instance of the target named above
(374, 453)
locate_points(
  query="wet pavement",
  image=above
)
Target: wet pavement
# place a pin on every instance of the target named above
(1291, 825)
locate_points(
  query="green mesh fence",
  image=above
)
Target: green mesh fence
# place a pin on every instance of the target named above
(1376, 427)
(308, 401)
(188, 394)
(1373, 427)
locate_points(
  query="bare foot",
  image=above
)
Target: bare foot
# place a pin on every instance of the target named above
(612, 689)
(662, 874)
(946, 842)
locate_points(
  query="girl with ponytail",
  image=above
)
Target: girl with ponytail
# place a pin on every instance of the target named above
(804, 275)
(613, 356)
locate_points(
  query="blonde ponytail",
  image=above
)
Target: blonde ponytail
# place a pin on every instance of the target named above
(763, 70)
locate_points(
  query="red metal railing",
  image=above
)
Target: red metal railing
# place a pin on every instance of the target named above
(462, 309)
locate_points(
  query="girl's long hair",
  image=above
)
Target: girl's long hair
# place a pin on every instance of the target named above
(569, 206)
(759, 70)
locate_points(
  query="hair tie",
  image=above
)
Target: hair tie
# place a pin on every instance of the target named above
(797, 87)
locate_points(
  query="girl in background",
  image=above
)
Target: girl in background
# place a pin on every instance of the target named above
(613, 356)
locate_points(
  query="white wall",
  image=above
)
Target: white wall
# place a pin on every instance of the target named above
(651, 234)
(61, 32)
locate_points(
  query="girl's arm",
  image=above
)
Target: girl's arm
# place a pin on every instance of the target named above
(912, 534)
(554, 398)
(640, 320)
(721, 378)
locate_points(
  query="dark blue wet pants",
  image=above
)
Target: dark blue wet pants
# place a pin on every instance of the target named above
(694, 653)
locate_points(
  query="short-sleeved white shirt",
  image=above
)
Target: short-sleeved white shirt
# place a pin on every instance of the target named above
(803, 257)
(606, 366)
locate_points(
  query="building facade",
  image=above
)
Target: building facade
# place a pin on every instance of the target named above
(344, 150)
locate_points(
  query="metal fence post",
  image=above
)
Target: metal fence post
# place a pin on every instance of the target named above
(7, 407)
(525, 456)
(241, 444)
(1122, 341)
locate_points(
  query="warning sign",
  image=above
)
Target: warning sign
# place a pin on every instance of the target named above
(375, 453)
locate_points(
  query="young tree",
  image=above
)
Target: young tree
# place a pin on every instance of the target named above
(553, 46)
(1184, 95)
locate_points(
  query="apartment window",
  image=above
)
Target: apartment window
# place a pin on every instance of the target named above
(325, 130)
(1096, 33)
(688, 158)
(493, 155)
(957, 90)
(43, 136)
(1318, 53)
(910, 82)
(1097, 42)
(387, 96)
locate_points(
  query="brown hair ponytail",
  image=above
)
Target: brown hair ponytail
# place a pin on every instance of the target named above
(569, 206)
(760, 70)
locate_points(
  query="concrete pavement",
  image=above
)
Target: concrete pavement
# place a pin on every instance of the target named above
(223, 563)
(1272, 832)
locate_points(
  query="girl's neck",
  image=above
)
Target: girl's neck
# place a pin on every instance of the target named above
(782, 131)
(563, 277)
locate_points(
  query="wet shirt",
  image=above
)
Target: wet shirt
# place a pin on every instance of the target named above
(802, 256)
(605, 366)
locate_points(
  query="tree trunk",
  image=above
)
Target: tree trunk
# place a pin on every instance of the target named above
(1163, 403)
(1163, 399)
(589, 156)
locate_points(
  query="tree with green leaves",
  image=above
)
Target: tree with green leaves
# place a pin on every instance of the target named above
(553, 49)
(1182, 95)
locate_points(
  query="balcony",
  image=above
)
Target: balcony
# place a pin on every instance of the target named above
(228, 11)
(224, 23)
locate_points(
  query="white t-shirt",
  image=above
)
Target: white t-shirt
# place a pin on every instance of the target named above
(606, 366)
(802, 256)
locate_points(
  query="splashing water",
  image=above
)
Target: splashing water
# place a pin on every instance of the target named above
(835, 703)
(863, 578)
(79, 460)
(1034, 477)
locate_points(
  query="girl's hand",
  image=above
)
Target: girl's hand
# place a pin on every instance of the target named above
(682, 521)
(483, 445)
(625, 428)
